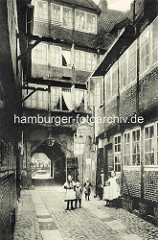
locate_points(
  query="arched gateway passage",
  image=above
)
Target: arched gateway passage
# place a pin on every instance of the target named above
(48, 164)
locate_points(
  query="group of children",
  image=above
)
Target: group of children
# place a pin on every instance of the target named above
(74, 192)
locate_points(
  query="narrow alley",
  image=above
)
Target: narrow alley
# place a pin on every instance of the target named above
(42, 215)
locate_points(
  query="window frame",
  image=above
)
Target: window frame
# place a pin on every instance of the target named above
(36, 11)
(68, 27)
(135, 130)
(53, 21)
(117, 154)
(110, 92)
(60, 55)
(60, 98)
(85, 58)
(129, 59)
(154, 125)
(127, 132)
(47, 54)
(142, 72)
(152, 37)
(120, 65)
(131, 144)
(115, 65)
(86, 22)
(99, 89)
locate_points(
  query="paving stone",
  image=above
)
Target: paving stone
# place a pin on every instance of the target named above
(93, 221)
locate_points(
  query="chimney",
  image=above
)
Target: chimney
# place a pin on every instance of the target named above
(103, 5)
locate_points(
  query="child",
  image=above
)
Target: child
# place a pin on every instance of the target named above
(114, 190)
(87, 191)
(70, 192)
(78, 190)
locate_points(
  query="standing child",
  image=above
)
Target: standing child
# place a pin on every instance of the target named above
(78, 190)
(70, 192)
(87, 189)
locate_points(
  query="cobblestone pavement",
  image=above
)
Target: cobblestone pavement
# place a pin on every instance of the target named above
(26, 226)
(48, 220)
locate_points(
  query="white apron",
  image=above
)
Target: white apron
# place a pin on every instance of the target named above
(70, 193)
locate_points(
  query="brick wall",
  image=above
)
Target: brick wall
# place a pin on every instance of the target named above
(56, 73)
(151, 186)
(7, 205)
(57, 32)
(132, 183)
(149, 90)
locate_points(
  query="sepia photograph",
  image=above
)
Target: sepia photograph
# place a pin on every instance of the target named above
(78, 119)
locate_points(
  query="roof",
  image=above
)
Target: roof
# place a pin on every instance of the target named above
(83, 4)
(121, 43)
(107, 21)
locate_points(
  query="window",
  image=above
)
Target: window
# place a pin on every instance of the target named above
(145, 50)
(123, 70)
(86, 21)
(79, 96)
(55, 98)
(66, 58)
(85, 61)
(115, 79)
(155, 40)
(80, 60)
(55, 13)
(149, 145)
(42, 10)
(136, 147)
(131, 147)
(79, 147)
(99, 92)
(91, 61)
(108, 86)
(42, 100)
(55, 55)
(67, 103)
(126, 149)
(67, 17)
(117, 153)
(157, 144)
(40, 54)
(91, 22)
(61, 15)
(80, 20)
(132, 62)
